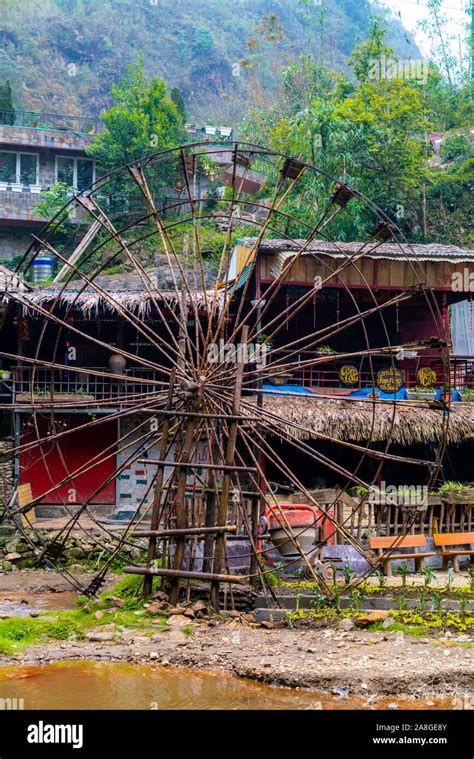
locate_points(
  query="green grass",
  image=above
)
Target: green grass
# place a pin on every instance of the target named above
(18, 632)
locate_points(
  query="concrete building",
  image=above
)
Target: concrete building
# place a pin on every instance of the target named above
(36, 151)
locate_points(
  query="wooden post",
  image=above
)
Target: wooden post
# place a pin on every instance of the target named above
(227, 481)
(180, 509)
(254, 557)
(155, 514)
(211, 502)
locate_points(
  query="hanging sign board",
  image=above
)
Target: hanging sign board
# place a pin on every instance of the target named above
(389, 380)
(426, 376)
(349, 374)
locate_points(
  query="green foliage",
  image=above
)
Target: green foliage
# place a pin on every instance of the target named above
(451, 486)
(178, 100)
(428, 575)
(142, 120)
(6, 104)
(15, 633)
(471, 578)
(193, 46)
(403, 571)
(128, 588)
(381, 578)
(456, 145)
(348, 574)
(52, 202)
(365, 55)
(374, 135)
(450, 578)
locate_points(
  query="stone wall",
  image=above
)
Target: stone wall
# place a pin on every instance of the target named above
(15, 240)
(43, 138)
(18, 551)
(7, 472)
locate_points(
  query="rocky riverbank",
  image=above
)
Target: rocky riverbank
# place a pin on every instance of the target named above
(375, 665)
(344, 656)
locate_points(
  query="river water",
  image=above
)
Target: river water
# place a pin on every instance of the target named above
(99, 685)
(15, 603)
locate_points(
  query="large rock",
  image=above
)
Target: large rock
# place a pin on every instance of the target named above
(115, 601)
(100, 637)
(16, 545)
(346, 625)
(75, 553)
(178, 620)
(160, 595)
(77, 569)
(371, 618)
(155, 608)
(199, 606)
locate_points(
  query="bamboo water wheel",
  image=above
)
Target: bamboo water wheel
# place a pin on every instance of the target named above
(195, 409)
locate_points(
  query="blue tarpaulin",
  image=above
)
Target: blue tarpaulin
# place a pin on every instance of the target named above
(280, 389)
(401, 395)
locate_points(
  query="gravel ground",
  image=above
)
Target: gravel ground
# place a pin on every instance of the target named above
(363, 663)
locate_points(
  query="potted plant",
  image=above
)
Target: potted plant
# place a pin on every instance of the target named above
(468, 394)
(456, 492)
(4, 177)
(447, 394)
(326, 349)
(421, 394)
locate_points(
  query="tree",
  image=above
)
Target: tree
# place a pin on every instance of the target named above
(7, 110)
(142, 120)
(178, 100)
(52, 202)
(371, 135)
(371, 51)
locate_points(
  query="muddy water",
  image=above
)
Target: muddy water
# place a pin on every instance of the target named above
(18, 604)
(94, 685)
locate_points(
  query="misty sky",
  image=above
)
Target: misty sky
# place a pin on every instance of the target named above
(413, 11)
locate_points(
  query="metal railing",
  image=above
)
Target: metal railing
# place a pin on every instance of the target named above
(327, 374)
(65, 382)
(70, 382)
(56, 121)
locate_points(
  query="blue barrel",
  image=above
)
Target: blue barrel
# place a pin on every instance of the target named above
(41, 269)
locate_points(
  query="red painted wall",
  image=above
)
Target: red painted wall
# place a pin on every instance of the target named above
(65, 456)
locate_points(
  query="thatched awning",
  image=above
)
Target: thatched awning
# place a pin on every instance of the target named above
(135, 292)
(353, 420)
(89, 301)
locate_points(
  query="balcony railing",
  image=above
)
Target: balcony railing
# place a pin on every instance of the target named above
(56, 121)
(36, 386)
(326, 377)
(327, 374)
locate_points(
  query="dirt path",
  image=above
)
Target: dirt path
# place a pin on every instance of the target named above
(370, 664)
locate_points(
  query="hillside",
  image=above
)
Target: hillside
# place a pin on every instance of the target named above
(64, 55)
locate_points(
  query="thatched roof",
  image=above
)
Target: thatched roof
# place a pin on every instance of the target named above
(352, 420)
(131, 291)
(10, 280)
(411, 252)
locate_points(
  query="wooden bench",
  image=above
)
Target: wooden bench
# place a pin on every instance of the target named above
(408, 541)
(443, 540)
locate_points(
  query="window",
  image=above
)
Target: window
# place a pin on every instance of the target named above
(18, 168)
(75, 172)
(28, 168)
